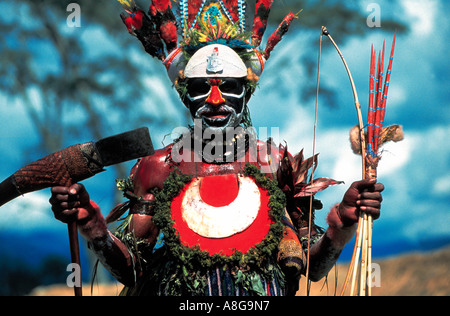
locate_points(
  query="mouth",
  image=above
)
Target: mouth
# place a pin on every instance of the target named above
(216, 119)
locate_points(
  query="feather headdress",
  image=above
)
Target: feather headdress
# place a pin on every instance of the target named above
(201, 23)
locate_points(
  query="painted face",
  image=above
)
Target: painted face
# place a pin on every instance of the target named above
(218, 102)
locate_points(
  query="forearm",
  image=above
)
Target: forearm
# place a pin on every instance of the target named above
(115, 257)
(326, 251)
(111, 252)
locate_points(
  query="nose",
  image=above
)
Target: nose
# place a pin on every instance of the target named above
(215, 96)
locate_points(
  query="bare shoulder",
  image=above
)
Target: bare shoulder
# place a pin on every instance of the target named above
(151, 171)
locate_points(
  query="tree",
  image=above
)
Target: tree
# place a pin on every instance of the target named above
(344, 19)
(71, 87)
(66, 80)
(80, 75)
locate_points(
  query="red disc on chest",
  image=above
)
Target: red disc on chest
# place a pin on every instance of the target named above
(219, 190)
(213, 213)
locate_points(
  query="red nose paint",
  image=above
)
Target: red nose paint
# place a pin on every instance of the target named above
(215, 96)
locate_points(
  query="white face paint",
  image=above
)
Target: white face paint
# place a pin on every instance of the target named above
(229, 118)
(227, 112)
(229, 95)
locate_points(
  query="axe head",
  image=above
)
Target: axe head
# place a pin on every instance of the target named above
(124, 147)
(76, 163)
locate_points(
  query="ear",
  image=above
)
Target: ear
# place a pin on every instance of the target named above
(248, 95)
(180, 85)
(250, 87)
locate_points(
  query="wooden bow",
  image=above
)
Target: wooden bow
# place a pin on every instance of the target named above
(377, 135)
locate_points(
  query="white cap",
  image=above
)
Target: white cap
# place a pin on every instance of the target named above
(176, 62)
(217, 61)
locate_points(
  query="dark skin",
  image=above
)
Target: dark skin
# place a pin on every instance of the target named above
(362, 196)
(219, 104)
(72, 203)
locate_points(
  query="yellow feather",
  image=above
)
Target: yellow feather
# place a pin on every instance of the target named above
(228, 29)
(128, 5)
(202, 38)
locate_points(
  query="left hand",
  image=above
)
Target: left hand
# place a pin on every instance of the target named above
(362, 196)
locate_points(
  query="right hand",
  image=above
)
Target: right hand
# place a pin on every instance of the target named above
(364, 195)
(71, 204)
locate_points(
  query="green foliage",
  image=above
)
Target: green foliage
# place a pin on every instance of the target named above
(183, 270)
(225, 33)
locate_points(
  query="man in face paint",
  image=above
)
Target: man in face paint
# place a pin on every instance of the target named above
(219, 103)
(216, 93)
(216, 82)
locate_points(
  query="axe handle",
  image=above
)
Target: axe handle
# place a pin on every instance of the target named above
(10, 190)
(74, 164)
(74, 248)
(75, 253)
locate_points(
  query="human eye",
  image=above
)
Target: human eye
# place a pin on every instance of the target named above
(230, 86)
(198, 87)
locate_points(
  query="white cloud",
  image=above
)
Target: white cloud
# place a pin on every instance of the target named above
(336, 157)
(299, 130)
(398, 96)
(418, 190)
(421, 15)
(395, 156)
(425, 220)
(414, 172)
(29, 212)
(441, 186)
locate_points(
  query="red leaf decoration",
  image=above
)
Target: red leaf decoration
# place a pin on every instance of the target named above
(315, 186)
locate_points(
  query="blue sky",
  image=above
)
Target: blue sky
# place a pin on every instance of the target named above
(415, 212)
(416, 207)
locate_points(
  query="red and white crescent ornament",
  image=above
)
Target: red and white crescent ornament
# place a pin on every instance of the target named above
(222, 214)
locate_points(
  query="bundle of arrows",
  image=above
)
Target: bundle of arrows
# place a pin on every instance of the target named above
(369, 146)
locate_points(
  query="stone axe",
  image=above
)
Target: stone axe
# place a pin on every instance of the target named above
(74, 164)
